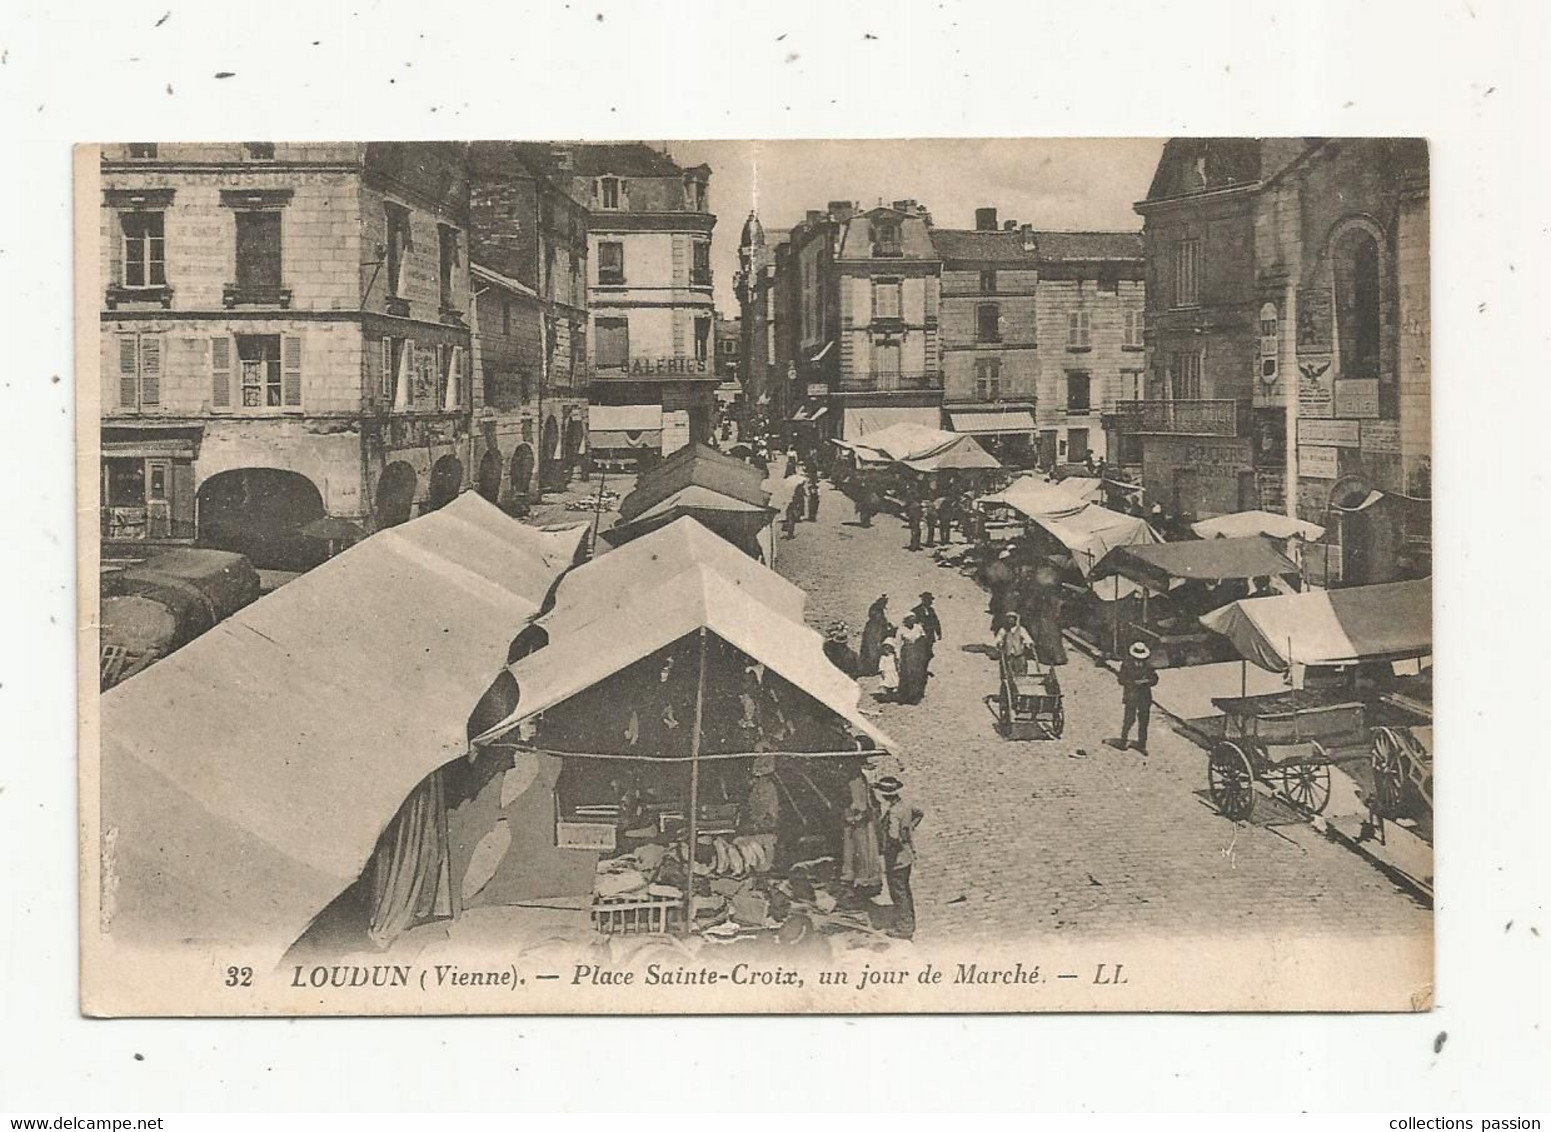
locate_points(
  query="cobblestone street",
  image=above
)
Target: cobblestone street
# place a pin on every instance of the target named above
(1029, 838)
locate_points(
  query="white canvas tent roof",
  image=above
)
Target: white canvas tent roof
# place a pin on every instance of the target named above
(616, 579)
(1036, 496)
(1385, 622)
(1094, 531)
(921, 448)
(1247, 524)
(247, 777)
(690, 599)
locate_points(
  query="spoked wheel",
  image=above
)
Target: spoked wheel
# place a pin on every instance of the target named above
(1389, 773)
(1057, 721)
(1307, 785)
(1231, 780)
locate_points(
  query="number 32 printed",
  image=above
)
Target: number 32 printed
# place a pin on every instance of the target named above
(239, 976)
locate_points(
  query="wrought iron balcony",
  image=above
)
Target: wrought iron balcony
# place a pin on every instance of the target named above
(1179, 418)
(890, 382)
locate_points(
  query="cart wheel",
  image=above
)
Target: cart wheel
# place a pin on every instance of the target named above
(1307, 785)
(1231, 780)
(1057, 721)
(1389, 773)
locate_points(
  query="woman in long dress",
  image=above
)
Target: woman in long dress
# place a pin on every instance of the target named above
(874, 633)
(861, 859)
(914, 655)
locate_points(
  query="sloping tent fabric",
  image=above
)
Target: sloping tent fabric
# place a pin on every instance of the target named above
(1037, 497)
(1392, 621)
(692, 599)
(247, 777)
(865, 420)
(1199, 560)
(1246, 524)
(614, 580)
(624, 426)
(696, 465)
(1094, 531)
(993, 422)
(921, 448)
(732, 518)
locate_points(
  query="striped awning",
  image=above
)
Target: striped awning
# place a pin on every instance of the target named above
(983, 423)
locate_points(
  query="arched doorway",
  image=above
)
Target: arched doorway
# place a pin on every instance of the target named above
(489, 480)
(260, 512)
(523, 464)
(446, 479)
(574, 436)
(551, 474)
(395, 494)
(1357, 269)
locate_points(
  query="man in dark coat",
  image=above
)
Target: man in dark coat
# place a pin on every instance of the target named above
(793, 516)
(913, 518)
(874, 633)
(929, 512)
(1137, 677)
(812, 492)
(914, 656)
(926, 616)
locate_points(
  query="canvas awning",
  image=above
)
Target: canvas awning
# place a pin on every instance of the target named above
(247, 777)
(696, 465)
(613, 580)
(1244, 524)
(810, 412)
(859, 421)
(1199, 560)
(993, 422)
(1090, 534)
(732, 518)
(818, 355)
(1323, 627)
(699, 597)
(624, 418)
(921, 448)
(1036, 496)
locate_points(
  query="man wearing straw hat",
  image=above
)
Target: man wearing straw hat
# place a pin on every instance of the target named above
(1137, 677)
(899, 821)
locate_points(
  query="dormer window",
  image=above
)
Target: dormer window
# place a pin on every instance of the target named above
(695, 190)
(258, 151)
(886, 238)
(142, 151)
(608, 192)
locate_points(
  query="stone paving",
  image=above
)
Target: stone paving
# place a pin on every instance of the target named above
(1028, 839)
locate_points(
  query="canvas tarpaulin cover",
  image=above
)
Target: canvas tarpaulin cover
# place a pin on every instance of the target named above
(732, 518)
(247, 778)
(1093, 532)
(921, 448)
(1209, 560)
(1392, 621)
(696, 465)
(1037, 497)
(1246, 524)
(866, 420)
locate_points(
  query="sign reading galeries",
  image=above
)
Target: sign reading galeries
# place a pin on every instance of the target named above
(664, 367)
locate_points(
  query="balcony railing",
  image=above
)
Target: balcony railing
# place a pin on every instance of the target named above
(890, 382)
(1179, 418)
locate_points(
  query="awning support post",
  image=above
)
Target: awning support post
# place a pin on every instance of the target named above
(694, 790)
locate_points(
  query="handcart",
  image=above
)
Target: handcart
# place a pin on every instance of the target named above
(1028, 705)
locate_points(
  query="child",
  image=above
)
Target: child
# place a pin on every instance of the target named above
(888, 669)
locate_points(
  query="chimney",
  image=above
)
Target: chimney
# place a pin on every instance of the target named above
(1029, 243)
(813, 215)
(1009, 225)
(985, 220)
(904, 206)
(563, 159)
(841, 209)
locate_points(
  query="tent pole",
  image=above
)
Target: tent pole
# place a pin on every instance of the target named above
(694, 790)
(597, 509)
(1114, 620)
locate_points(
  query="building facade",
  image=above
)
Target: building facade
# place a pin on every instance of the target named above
(533, 366)
(1041, 335)
(649, 283)
(284, 336)
(1289, 332)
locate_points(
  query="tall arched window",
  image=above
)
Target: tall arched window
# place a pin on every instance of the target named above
(1357, 303)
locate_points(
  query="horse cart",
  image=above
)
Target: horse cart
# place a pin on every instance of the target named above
(1289, 741)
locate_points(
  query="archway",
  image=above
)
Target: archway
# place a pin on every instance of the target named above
(550, 472)
(446, 480)
(523, 464)
(395, 494)
(573, 441)
(260, 512)
(489, 480)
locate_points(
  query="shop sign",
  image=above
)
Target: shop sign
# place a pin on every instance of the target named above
(1381, 436)
(585, 835)
(667, 367)
(1338, 433)
(1357, 397)
(1316, 387)
(818, 389)
(1320, 463)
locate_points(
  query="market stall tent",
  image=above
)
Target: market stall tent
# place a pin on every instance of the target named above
(1161, 566)
(1091, 533)
(1036, 497)
(247, 778)
(624, 426)
(735, 520)
(1247, 524)
(695, 465)
(921, 449)
(1392, 621)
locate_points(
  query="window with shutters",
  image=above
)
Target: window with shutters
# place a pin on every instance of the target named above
(399, 242)
(988, 322)
(269, 371)
(612, 342)
(449, 262)
(450, 384)
(702, 339)
(608, 192)
(1185, 375)
(258, 255)
(1079, 330)
(139, 371)
(885, 364)
(1187, 273)
(1132, 325)
(700, 264)
(611, 263)
(221, 372)
(1079, 388)
(145, 249)
(885, 299)
(988, 379)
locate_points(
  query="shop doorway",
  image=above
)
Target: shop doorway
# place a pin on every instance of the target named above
(259, 512)
(395, 494)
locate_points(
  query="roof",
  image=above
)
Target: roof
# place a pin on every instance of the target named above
(247, 777)
(1090, 534)
(624, 159)
(1036, 496)
(1386, 622)
(922, 448)
(733, 519)
(1241, 524)
(623, 418)
(697, 464)
(993, 421)
(615, 579)
(1196, 560)
(691, 599)
(1006, 246)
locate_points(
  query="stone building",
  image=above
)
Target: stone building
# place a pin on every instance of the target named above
(1041, 335)
(532, 363)
(762, 353)
(1289, 331)
(284, 335)
(649, 282)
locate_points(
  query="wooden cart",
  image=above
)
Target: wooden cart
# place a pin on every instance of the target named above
(1288, 740)
(1028, 705)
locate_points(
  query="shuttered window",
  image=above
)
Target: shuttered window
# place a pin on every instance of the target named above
(291, 371)
(221, 372)
(139, 371)
(1079, 330)
(129, 371)
(402, 395)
